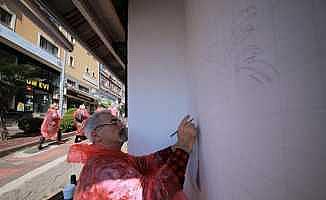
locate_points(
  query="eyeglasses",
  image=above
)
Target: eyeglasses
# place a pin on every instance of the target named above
(114, 121)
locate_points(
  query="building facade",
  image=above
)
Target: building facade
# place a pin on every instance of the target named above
(23, 42)
(81, 77)
(111, 89)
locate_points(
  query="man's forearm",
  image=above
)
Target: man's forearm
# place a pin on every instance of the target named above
(178, 163)
(155, 160)
(184, 147)
(164, 154)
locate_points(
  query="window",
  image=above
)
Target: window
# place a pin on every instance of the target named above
(71, 61)
(93, 74)
(5, 17)
(87, 70)
(41, 102)
(84, 89)
(71, 83)
(48, 46)
(29, 103)
(72, 39)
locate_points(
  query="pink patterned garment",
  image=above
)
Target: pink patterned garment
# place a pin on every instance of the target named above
(114, 175)
(51, 124)
(114, 111)
(80, 125)
(99, 109)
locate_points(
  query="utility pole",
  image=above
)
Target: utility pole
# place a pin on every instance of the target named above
(62, 82)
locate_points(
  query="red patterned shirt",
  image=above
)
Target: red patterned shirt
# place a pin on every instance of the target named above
(110, 174)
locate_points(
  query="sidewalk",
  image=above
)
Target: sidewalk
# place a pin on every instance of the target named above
(36, 175)
(14, 144)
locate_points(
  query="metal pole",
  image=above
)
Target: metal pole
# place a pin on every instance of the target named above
(62, 82)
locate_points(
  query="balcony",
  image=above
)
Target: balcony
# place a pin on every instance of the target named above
(16, 41)
(110, 87)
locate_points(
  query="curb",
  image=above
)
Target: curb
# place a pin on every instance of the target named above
(6, 151)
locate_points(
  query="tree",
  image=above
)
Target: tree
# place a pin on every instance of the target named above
(13, 78)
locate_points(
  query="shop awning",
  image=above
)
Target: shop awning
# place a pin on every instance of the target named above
(78, 95)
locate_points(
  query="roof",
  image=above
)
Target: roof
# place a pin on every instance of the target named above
(100, 26)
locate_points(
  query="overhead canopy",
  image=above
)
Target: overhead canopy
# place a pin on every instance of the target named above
(95, 24)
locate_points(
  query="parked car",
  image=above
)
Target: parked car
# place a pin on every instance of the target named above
(30, 124)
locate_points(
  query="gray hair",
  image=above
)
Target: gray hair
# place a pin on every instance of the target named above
(96, 119)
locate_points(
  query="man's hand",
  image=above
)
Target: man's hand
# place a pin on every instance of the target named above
(187, 133)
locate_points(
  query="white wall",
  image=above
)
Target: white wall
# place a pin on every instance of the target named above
(262, 66)
(158, 95)
(257, 86)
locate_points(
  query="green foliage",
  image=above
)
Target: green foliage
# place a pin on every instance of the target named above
(105, 103)
(67, 122)
(122, 109)
(13, 77)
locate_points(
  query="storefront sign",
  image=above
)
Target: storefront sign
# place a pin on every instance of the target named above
(38, 84)
(80, 96)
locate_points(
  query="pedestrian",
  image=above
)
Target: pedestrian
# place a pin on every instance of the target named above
(114, 110)
(111, 174)
(100, 107)
(3, 122)
(50, 127)
(80, 117)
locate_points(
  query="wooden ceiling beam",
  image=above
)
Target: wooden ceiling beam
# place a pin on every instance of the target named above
(95, 23)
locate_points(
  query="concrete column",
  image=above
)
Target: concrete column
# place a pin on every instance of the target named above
(62, 82)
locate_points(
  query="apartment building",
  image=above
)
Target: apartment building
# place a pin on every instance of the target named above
(81, 77)
(23, 42)
(111, 89)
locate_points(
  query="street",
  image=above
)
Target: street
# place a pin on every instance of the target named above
(29, 166)
(21, 162)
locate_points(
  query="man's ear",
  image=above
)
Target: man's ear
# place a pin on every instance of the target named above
(123, 134)
(95, 136)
